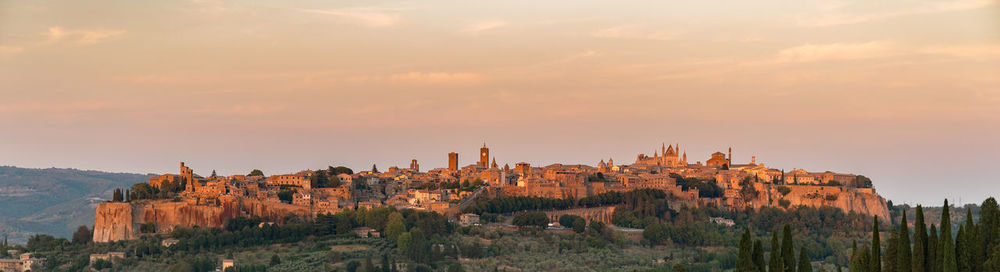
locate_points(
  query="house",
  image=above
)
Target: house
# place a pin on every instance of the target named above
(723, 221)
(169, 242)
(366, 232)
(468, 219)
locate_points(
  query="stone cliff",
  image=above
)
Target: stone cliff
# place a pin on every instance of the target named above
(121, 221)
(113, 221)
(858, 200)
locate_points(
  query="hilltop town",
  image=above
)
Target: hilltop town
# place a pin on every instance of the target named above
(186, 199)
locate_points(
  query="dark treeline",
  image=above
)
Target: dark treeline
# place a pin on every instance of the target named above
(974, 247)
(525, 203)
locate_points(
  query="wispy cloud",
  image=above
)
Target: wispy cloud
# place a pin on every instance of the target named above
(10, 50)
(58, 34)
(841, 14)
(437, 78)
(836, 51)
(365, 16)
(964, 51)
(484, 26)
(634, 33)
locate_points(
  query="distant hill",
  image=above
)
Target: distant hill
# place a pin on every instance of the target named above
(53, 201)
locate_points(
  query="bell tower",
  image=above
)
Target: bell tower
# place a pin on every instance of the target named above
(484, 156)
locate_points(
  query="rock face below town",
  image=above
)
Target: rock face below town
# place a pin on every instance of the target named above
(113, 222)
(121, 221)
(858, 200)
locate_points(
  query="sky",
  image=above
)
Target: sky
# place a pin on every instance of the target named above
(905, 92)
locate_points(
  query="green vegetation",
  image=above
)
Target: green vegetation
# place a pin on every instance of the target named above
(975, 247)
(706, 188)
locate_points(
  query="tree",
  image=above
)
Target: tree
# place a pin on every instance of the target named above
(339, 170)
(395, 227)
(974, 248)
(919, 241)
(368, 266)
(961, 243)
(403, 242)
(787, 250)
(286, 196)
(352, 266)
(744, 260)
(933, 250)
(804, 264)
(989, 223)
(385, 263)
(904, 259)
(80, 237)
(876, 248)
(775, 263)
(579, 225)
(374, 169)
(656, 234)
(891, 252)
(947, 261)
(319, 179)
(117, 196)
(419, 249)
(256, 172)
(275, 260)
(527, 219)
(758, 256)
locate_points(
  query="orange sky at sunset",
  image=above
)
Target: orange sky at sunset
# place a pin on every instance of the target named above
(905, 92)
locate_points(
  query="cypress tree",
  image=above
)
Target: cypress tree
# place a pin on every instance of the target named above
(855, 263)
(775, 264)
(947, 261)
(866, 259)
(744, 261)
(933, 250)
(804, 264)
(919, 242)
(904, 261)
(385, 262)
(758, 256)
(961, 256)
(891, 252)
(876, 249)
(787, 251)
(117, 196)
(974, 243)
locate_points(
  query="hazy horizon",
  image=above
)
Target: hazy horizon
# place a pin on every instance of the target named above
(904, 92)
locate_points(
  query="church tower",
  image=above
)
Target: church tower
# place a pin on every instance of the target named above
(730, 155)
(484, 156)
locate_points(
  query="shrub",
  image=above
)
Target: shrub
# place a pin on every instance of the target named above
(526, 219)
(784, 190)
(784, 202)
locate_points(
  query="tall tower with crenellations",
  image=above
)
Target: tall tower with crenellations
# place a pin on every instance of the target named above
(453, 161)
(187, 175)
